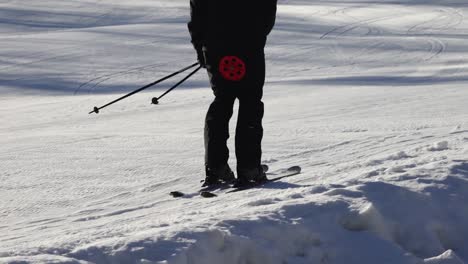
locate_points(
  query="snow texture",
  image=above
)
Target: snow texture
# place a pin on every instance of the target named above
(368, 97)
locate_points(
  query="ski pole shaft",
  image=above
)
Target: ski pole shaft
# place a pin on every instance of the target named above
(156, 100)
(96, 109)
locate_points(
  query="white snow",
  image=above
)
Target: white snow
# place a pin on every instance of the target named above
(447, 257)
(368, 97)
(438, 146)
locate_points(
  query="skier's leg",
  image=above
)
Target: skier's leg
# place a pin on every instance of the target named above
(249, 130)
(249, 133)
(217, 132)
(217, 120)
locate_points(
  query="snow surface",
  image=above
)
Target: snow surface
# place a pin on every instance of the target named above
(369, 97)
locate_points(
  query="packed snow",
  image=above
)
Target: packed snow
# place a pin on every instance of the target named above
(368, 97)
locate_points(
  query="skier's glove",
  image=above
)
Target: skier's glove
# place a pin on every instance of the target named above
(201, 58)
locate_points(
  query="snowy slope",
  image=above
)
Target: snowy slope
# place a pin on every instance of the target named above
(369, 97)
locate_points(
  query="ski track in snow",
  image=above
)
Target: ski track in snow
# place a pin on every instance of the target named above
(369, 98)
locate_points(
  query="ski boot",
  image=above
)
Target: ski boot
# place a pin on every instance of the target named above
(215, 176)
(246, 177)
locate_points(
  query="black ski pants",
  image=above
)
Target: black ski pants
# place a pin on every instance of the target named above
(249, 92)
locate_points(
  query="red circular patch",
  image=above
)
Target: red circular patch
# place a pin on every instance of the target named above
(232, 68)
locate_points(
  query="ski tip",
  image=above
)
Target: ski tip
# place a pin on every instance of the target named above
(176, 194)
(206, 194)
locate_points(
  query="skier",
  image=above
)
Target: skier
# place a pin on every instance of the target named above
(229, 37)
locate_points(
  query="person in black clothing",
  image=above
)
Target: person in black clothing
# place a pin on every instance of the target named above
(229, 37)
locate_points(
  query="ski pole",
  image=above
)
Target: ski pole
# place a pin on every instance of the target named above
(156, 100)
(96, 109)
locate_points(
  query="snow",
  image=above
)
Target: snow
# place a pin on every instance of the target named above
(368, 97)
(447, 257)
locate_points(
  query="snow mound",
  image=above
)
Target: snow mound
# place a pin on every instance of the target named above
(439, 146)
(273, 244)
(327, 231)
(448, 257)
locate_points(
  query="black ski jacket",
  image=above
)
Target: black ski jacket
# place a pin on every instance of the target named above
(231, 23)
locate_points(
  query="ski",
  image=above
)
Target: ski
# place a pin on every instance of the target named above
(207, 191)
(280, 174)
(214, 190)
(203, 191)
